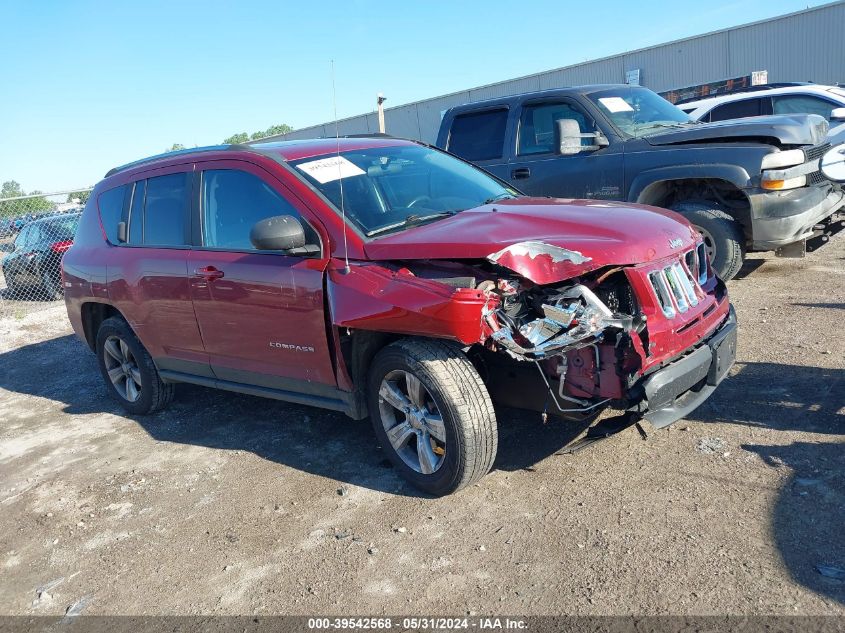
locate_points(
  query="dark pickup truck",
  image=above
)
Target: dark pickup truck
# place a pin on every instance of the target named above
(748, 184)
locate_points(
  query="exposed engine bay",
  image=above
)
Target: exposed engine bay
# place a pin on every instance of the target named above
(578, 335)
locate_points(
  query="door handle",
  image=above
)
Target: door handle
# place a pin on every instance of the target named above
(209, 273)
(522, 172)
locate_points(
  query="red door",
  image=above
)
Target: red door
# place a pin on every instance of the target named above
(260, 314)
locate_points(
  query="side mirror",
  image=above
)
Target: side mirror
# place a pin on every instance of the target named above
(569, 136)
(121, 232)
(278, 233)
(837, 114)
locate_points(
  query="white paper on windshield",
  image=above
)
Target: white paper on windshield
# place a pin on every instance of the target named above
(330, 169)
(615, 104)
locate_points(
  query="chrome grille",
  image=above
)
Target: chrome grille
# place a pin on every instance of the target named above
(817, 151)
(676, 285)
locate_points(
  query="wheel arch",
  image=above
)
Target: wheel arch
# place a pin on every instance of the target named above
(722, 193)
(93, 315)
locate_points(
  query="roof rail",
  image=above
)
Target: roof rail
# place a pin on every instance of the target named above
(178, 152)
(734, 91)
(368, 135)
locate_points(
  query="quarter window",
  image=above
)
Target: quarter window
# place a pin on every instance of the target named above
(479, 135)
(111, 211)
(232, 202)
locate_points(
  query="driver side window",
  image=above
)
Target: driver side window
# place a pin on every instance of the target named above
(537, 126)
(232, 202)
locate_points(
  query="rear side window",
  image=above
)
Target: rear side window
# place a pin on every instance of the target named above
(110, 204)
(234, 200)
(479, 135)
(737, 110)
(802, 104)
(158, 211)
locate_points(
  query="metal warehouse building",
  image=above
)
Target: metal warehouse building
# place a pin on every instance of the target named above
(808, 45)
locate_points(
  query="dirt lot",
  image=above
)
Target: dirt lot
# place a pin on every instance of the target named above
(232, 504)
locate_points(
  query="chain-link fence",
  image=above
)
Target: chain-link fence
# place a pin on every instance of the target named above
(35, 232)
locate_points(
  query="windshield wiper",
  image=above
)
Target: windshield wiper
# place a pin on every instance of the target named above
(411, 220)
(502, 196)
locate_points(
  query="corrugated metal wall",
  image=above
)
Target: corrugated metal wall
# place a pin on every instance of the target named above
(804, 46)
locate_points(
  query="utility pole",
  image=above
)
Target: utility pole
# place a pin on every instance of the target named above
(380, 101)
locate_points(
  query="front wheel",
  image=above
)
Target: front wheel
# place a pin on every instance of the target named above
(432, 414)
(723, 236)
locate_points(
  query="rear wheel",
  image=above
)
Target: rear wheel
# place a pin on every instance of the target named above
(432, 414)
(51, 284)
(723, 236)
(128, 370)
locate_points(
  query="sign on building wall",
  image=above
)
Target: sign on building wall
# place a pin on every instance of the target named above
(759, 77)
(632, 77)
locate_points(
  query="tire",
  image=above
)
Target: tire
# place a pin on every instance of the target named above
(51, 285)
(451, 387)
(153, 394)
(723, 236)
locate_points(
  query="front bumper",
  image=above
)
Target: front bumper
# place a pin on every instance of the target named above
(781, 218)
(675, 390)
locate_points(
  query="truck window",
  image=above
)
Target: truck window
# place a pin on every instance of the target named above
(737, 110)
(479, 135)
(537, 126)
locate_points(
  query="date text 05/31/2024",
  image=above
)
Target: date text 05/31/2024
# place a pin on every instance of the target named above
(417, 623)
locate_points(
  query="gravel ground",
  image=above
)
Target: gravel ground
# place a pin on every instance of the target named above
(227, 504)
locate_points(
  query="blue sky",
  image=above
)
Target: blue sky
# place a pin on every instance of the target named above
(88, 85)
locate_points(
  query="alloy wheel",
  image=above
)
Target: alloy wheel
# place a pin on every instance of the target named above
(412, 421)
(122, 368)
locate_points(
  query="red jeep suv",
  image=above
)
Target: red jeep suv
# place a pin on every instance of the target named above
(385, 278)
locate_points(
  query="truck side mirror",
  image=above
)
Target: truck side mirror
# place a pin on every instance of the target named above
(569, 136)
(837, 114)
(277, 233)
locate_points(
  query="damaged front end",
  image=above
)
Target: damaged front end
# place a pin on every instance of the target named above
(549, 329)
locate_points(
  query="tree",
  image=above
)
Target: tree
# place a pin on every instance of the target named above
(241, 137)
(81, 196)
(11, 189)
(274, 130)
(37, 205)
(176, 147)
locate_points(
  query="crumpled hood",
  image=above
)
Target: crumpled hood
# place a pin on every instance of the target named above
(796, 129)
(542, 239)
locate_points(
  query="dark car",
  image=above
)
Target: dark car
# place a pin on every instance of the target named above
(36, 259)
(7, 227)
(383, 278)
(748, 184)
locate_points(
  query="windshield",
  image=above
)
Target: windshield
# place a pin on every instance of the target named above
(387, 189)
(638, 111)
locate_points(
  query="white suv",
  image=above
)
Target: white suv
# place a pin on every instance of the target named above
(827, 101)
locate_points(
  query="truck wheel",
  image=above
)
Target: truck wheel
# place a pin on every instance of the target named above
(128, 369)
(432, 414)
(723, 236)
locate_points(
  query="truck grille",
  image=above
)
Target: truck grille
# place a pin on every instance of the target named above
(675, 284)
(817, 151)
(816, 178)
